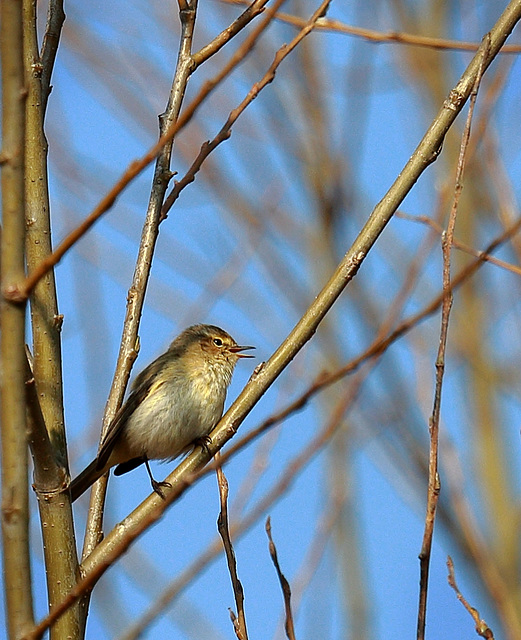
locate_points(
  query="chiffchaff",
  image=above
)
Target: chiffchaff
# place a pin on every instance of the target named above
(174, 404)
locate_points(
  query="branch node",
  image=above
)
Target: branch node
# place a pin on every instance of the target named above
(14, 293)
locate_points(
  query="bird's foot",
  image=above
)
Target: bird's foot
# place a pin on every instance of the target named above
(204, 443)
(158, 487)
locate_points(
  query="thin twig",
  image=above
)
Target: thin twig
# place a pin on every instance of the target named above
(482, 628)
(286, 589)
(482, 556)
(434, 422)
(225, 131)
(253, 10)
(426, 220)
(239, 622)
(379, 37)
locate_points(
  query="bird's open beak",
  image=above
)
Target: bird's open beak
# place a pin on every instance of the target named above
(237, 351)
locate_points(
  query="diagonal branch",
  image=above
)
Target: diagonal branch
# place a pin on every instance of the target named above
(225, 131)
(482, 628)
(227, 34)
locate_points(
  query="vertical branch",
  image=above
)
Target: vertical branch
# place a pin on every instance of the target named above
(239, 623)
(286, 589)
(59, 543)
(15, 507)
(434, 422)
(136, 294)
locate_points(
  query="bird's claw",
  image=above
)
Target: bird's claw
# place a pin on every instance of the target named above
(204, 442)
(157, 487)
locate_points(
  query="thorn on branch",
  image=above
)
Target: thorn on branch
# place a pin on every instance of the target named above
(58, 321)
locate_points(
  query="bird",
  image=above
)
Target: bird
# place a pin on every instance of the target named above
(173, 405)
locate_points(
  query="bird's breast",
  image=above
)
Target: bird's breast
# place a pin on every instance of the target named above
(176, 412)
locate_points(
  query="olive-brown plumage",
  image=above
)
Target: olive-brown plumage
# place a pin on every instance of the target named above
(174, 403)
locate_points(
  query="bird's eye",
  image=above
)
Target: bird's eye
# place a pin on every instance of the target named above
(218, 342)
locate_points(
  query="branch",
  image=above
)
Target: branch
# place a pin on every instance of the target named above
(482, 628)
(225, 131)
(378, 37)
(51, 40)
(286, 589)
(434, 422)
(239, 623)
(227, 34)
(47, 473)
(15, 503)
(50, 477)
(429, 222)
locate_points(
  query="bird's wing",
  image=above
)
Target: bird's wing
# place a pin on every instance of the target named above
(140, 389)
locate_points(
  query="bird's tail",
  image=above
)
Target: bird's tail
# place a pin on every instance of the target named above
(87, 477)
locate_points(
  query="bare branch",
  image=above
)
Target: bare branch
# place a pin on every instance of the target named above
(461, 245)
(239, 623)
(225, 131)
(15, 503)
(482, 628)
(136, 295)
(286, 589)
(434, 423)
(253, 10)
(378, 37)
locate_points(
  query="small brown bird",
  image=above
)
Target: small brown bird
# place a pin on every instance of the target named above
(174, 404)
